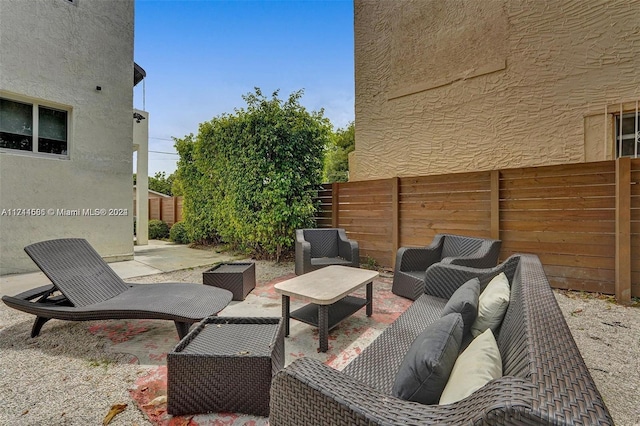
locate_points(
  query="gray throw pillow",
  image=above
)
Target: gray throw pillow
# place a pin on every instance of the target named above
(465, 302)
(425, 370)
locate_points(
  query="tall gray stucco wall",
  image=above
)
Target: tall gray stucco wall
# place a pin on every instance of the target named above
(467, 85)
(57, 52)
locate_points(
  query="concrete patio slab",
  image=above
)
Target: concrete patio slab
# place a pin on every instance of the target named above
(166, 257)
(155, 258)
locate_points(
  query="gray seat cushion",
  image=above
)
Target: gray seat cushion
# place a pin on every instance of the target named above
(325, 261)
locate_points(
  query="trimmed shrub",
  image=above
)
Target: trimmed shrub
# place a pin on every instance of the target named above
(178, 233)
(158, 229)
(250, 178)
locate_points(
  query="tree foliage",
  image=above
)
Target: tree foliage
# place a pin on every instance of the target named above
(160, 182)
(336, 164)
(249, 178)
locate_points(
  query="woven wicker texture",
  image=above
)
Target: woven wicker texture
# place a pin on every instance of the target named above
(233, 268)
(443, 280)
(324, 242)
(99, 292)
(564, 387)
(317, 248)
(545, 382)
(458, 246)
(409, 284)
(225, 364)
(73, 266)
(445, 249)
(484, 255)
(390, 347)
(239, 278)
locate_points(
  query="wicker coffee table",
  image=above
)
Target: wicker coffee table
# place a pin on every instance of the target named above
(327, 289)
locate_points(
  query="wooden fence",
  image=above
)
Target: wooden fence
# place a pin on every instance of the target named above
(582, 220)
(167, 209)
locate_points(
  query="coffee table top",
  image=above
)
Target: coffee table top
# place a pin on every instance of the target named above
(326, 285)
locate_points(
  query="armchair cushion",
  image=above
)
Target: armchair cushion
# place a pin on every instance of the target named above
(326, 261)
(492, 305)
(465, 302)
(426, 367)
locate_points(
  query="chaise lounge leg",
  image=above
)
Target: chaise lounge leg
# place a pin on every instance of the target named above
(183, 328)
(37, 325)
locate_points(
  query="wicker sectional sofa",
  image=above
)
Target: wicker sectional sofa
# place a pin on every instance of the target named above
(545, 379)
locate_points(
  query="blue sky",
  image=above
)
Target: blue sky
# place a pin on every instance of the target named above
(201, 56)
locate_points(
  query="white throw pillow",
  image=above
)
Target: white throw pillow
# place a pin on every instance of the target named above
(492, 305)
(475, 367)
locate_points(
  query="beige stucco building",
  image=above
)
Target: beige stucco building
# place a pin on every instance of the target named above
(462, 85)
(66, 127)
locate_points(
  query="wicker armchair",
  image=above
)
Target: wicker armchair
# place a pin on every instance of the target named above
(317, 248)
(412, 263)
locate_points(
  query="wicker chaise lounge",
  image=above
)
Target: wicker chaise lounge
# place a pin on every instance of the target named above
(91, 290)
(412, 263)
(545, 379)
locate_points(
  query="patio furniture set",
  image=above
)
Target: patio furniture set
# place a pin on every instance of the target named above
(542, 377)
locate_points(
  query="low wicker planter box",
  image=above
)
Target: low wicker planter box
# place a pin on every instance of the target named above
(225, 365)
(238, 278)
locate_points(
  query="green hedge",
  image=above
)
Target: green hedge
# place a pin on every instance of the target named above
(158, 229)
(250, 178)
(178, 233)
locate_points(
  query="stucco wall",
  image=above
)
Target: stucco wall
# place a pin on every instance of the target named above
(457, 85)
(57, 52)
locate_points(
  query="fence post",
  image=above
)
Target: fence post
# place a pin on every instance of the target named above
(395, 218)
(495, 204)
(623, 230)
(175, 209)
(335, 204)
(149, 206)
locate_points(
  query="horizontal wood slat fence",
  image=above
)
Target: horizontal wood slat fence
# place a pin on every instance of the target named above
(582, 220)
(167, 209)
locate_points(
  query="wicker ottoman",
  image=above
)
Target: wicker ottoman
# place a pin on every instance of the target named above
(238, 278)
(225, 365)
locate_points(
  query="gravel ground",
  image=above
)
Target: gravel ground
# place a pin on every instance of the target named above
(608, 336)
(66, 376)
(72, 380)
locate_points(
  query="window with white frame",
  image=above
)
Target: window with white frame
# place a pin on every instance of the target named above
(33, 127)
(627, 135)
